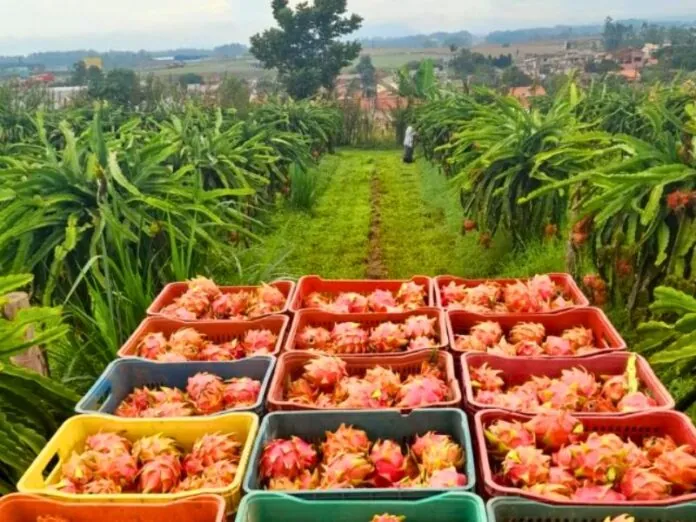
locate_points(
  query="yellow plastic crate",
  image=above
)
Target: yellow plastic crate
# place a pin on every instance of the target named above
(72, 434)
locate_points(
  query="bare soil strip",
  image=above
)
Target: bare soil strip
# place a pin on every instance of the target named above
(375, 264)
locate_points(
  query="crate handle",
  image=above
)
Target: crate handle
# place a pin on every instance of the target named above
(44, 460)
(99, 395)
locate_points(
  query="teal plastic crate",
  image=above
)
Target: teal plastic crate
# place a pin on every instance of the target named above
(122, 376)
(275, 507)
(313, 425)
(511, 509)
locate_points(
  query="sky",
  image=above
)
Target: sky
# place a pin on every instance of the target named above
(40, 25)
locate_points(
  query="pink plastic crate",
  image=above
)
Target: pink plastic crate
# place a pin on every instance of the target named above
(519, 370)
(312, 283)
(327, 320)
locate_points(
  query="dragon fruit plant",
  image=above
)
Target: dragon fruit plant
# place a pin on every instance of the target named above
(410, 296)
(188, 344)
(111, 464)
(575, 390)
(554, 457)
(205, 300)
(417, 332)
(538, 294)
(205, 394)
(347, 458)
(526, 340)
(325, 383)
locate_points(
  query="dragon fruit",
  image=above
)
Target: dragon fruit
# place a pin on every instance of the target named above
(431, 438)
(313, 339)
(345, 471)
(101, 487)
(271, 296)
(469, 343)
(149, 448)
(555, 429)
(232, 305)
(220, 474)
(388, 461)
(241, 391)
(532, 332)
(411, 295)
(505, 436)
(518, 298)
(442, 455)
(354, 303)
(287, 458)
(122, 469)
(301, 392)
(346, 439)
(635, 402)
(528, 349)
(206, 286)
(656, 446)
(526, 466)
(364, 395)
(421, 390)
(594, 493)
(486, 378)
(386, 517)
(206, 392)
(168, 410)
(447, 478)
(160, 475)
(187, 342)
(153, 345)
(349, 338)
(557, 346)
(259, 342)
(421, 343)
(78, 469)
(601, 459)
(381, 301)
(419, 326)
(678, 467)
(551, 491)
(453, 293)
(215, 447)
(386, 380)
(560, 396)
(643, 484)
(325, 372)
(584, 382)
(489, 333)
(615, 388)
(562, 477)
(578, 337)
(543, 287)
(387, 338)
(110, 443)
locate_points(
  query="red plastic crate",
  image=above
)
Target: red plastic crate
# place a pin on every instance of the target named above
(290, 366)
(217, 331)
(635, 426)
(327, 320)
(518, 370)
(173, 290)
(312, 283)
(19, 507)
(607, 338)
(565, 281)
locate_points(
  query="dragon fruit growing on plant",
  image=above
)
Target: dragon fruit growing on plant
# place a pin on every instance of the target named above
(409, 296)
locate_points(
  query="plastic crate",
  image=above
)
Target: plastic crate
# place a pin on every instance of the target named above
(312, 283)
(305, 318)
(312, 427)
(173, 290)
(26, 508)
(274, 507)
(518, 370)
(512, 509)
(217, 331)
(290, 367)
(122, 376)
(565, 281)
(45, 470)
(635, 426)
(607, 338)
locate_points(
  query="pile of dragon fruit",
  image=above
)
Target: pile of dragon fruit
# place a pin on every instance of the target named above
(205, 394)
(415, 333)
(539, 294)
(325, 383)
(575, 390)
(205, 300)
(410, 296)
(347, 458)
(554, 457)
(188, 344)
(525, 340)
(111, 464)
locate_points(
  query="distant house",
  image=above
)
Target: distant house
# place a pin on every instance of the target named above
(523, 94)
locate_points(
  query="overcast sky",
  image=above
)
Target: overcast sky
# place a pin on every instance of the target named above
(33, 25)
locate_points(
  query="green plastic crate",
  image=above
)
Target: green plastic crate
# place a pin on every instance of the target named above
(276, 507)
(511, 509)
(313, 425)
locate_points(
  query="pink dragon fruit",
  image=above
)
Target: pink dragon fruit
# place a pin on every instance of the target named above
(419, 326)
(102, 487)
(386, 380)
(526, 466)
(431, 438)
(349, 338)
(287, 458)
(411, 295)
(206, 392)
(468, 343)
(447, 478)
(643, 484)
(528, 349)
(160, 475)
(551, 491)
(347, 470)
(595, 493)
(442, 455)
(241, 391)
(389, 463)
(578, 337)
(421, 390)
(346, 439)
(259, 342)
(387, 338)
(229, 306)
(555, 429)
(518, 298)
(153, 345)
(557, 346)
(453, 293)
(543, 287)
(489, 332)
(532, 332)
(504, 436)
(678, 467)
(584, 382)
(122, 469)
(386, 517)
(78, 469)
(421, 343)
(109, 443)
(313, 339)
(562, 477)
(636, 401)
(187, 342)
(381, 301)
(656, 446)
(325, 372)
(271, 296)
(560, 396)
(352, 303)
(486, 378)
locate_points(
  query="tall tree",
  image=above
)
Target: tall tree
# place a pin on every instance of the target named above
(307, 47)
(368, 76)
(79, 73)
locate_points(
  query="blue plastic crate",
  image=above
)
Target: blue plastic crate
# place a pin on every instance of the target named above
(313, 425)
(275, 507)
(516, 509)
(122, 376)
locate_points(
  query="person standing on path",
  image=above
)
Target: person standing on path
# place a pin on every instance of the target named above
(409, 142)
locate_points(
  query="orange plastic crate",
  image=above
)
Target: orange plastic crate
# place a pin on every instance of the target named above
(217, 331)
(173, 290)
(19, 507)
(290, 366)
(607, 338)
(327, 320)
(312, 283)
(565, 281)
(518, 370)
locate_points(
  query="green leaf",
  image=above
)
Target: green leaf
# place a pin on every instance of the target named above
(663, 234)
